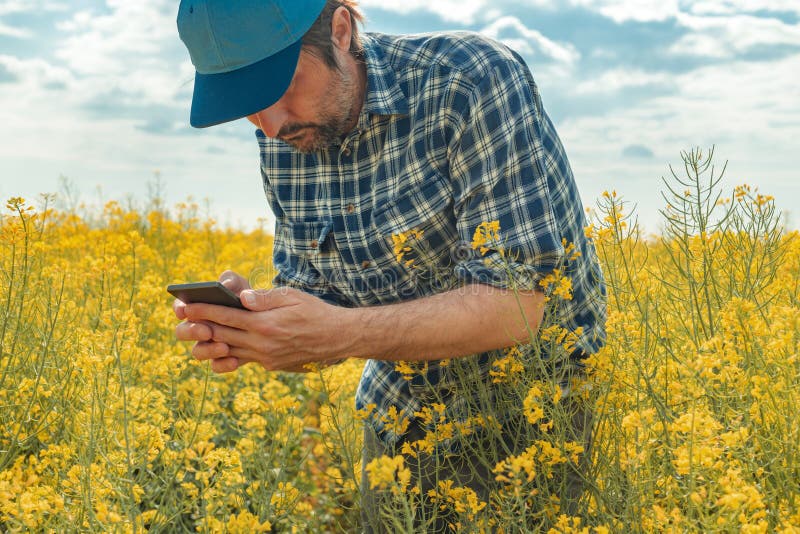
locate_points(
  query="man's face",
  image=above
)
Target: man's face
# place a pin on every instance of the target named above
(316, 110)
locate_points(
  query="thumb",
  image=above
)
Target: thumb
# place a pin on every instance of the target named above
(233, 281)
(267, 299)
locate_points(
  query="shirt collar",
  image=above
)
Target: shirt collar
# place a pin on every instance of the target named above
(384, 96)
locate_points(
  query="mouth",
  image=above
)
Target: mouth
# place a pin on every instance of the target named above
(294, 135)
(291, 138)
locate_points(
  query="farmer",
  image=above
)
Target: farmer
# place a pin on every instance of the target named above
(381, 155)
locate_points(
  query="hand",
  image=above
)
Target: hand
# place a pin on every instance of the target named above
(282, 329)
(202, 332)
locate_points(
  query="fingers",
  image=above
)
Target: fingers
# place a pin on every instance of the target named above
(228, 365)
(239, 338)
(209, 334)
(221, 356)
(179, 308)
(220, 315)
(215, 350)
(225, 358)
(210, 350)
(190, 331)
(225, 365)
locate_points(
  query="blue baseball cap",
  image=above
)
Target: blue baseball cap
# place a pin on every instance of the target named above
(244, 52)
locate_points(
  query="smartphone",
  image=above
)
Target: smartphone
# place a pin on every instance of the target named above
(207, 292)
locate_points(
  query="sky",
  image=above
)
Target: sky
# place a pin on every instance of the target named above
(96, 96)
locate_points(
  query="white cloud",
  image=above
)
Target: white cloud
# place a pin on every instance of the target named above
(22, 6)
(614, 80)
(10, 7)
(9, 31)
(636, 10)
(460, 11)
(101, 43)
(35, 73)
(660, 10)
(748, 109)
(124, 51)
(728, 36)
(731, 7)
(526, 41)
(716, 28)
(700, 45)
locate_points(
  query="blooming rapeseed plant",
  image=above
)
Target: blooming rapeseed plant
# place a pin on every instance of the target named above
(388, 473)
(108, 424)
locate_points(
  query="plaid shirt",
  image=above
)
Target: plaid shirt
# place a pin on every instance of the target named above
(452, 133)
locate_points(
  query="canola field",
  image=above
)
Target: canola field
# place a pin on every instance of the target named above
(107, 424)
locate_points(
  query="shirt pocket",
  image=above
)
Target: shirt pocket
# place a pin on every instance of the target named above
(302, 249)
(424, 214)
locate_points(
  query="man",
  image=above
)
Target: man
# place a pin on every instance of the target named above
(366, 138)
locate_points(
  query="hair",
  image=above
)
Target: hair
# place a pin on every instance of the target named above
(318, 38)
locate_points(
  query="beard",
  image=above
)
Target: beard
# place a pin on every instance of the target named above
(335, 117)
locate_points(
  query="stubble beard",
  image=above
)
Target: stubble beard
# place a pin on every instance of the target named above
(334, 119)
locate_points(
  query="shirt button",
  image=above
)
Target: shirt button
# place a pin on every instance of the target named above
(314, 244)
(365, 264)
(350, 208)
(346, 151)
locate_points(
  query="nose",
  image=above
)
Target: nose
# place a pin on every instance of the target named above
(269, 120)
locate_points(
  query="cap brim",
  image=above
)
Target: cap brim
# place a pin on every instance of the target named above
(232, 95)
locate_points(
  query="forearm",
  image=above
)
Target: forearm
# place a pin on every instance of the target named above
(467, 320)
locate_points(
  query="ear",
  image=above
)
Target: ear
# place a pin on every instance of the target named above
(341, 29)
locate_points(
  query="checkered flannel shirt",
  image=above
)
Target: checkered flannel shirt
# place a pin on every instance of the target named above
(452, 133)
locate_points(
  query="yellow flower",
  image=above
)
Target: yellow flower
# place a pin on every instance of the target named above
(486, 237)
(285, 498)
(532, 405)
(402, 242)
(549, 455)
(364, 413)
(462, 500)
(244, 522)
(507, 367)
(568, 525)
(388, 472)
(409, 369)
(395, 421)
(248, 401)
(515, 470)
(557, 285)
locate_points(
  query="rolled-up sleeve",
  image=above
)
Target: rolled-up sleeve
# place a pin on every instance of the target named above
(498, 168)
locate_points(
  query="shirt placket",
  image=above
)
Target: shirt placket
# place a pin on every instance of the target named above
(353, 246)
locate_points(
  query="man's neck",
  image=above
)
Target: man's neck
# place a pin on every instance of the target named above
(359, 70)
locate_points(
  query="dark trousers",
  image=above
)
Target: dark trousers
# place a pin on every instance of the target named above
(472, 466)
